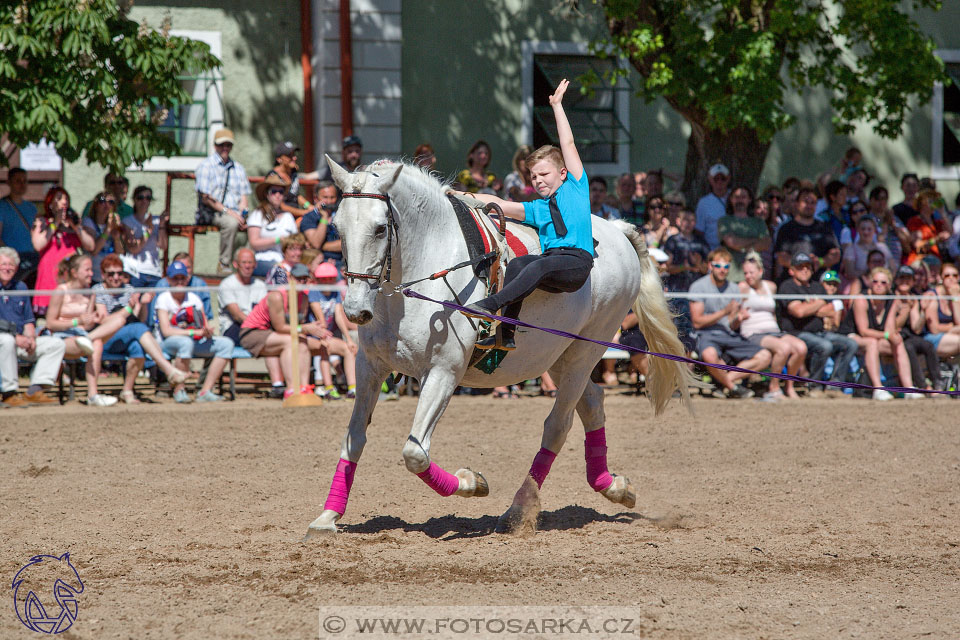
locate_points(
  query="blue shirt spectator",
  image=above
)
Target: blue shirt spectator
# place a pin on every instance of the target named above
(16, 220)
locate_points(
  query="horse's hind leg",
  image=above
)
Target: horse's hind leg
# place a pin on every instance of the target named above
(369, 378)
(613, 487)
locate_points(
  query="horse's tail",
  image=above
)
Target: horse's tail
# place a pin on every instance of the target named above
(655, 321)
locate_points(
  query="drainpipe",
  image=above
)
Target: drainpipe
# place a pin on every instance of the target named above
(306, 63)
(346, 71)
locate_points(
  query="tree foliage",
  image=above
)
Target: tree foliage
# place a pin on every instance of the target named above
(86, 77)
(728, 65)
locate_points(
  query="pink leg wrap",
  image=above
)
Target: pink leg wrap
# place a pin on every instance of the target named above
(443, 482)
(541, 465)
(595, 452)
(340, 487)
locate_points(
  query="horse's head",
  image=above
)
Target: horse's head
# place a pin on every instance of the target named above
(365, 228)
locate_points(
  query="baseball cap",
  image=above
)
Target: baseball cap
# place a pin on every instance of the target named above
(352, 140)
(800, 258)
(830, 276)
(906, 271)
(223, 135)
(177, 269)
(718, 169)
(300, 270)
(285, 149)
(326, 270)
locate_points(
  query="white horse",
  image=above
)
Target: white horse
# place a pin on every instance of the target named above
(396, 223)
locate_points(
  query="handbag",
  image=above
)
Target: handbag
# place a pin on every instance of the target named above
(206, 215)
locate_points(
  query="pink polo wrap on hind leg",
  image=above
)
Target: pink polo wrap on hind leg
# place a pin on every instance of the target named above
(340, 487)
(443, 482)
(595, 452)
(541, 465)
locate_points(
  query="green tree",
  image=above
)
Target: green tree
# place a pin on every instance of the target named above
(84, 76)
(727, 65)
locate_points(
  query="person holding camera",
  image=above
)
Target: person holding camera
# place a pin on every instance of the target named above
(55, 235)
(321, 235)
(222, 193)
(104, 226)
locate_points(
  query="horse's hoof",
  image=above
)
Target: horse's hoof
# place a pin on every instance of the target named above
(621, 491)
(521, 518)
(472, 484)
(323, 527)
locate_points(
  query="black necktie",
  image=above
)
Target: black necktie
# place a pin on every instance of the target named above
(558, 225)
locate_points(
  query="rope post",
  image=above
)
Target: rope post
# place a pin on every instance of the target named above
(298, 399)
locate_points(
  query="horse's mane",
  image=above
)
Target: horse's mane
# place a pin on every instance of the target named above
(422, 185)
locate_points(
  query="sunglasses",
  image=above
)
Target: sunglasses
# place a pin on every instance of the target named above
(950, 275)
(775, 197)
(274, 191)
(881, 282)
(143, 197)
(655, 206)
(717, 265)
(112, 274)
(102, 200)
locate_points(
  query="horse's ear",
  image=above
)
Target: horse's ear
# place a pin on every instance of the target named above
(386, 183)
(339, 174)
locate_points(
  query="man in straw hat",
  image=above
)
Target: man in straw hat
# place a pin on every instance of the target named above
(222, 186)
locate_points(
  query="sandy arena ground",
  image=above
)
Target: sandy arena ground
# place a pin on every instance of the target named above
(817, 519)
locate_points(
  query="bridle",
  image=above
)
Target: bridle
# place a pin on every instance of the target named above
(392, 230)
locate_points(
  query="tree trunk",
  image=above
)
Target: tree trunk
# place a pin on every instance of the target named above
(740, 150)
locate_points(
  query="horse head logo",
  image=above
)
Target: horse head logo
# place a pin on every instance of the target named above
(37, 578)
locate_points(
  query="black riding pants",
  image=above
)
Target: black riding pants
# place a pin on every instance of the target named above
(561, 270)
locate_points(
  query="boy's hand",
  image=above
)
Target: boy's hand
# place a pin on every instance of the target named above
(557, 96)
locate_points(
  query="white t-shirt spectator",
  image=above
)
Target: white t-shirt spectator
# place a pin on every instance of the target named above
(282, 226)
(245, 296)
(166, 302)
(147, 262)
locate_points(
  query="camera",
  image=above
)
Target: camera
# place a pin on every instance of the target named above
(73, 217)
(328, 207)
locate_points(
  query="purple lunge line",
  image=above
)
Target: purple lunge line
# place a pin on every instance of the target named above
(410, 293)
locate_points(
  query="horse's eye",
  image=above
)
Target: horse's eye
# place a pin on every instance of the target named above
(380, 230)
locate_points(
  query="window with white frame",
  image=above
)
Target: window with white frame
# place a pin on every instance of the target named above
(946, 120)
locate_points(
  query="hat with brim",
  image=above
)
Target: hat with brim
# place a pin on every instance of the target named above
(906, 271)
(268, 182)
(300, 270)
(177, 269)
(326, 270)
(223, 135)
(800, 258)
(830, 276)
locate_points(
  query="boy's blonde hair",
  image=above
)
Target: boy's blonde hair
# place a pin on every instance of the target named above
(547, 152)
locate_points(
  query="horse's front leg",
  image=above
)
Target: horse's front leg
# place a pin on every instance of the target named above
(435, 392)
(369, 378)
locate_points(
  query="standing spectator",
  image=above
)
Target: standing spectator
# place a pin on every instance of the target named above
(717, 321)
(18, 339)
(425, 157)
(943, 316)
(892, 232)
(117, 186)
(657, 228)
(758, 324)
(316, 226)
(856, 254)
(517, 185)
(910, 323)
(803, 318)
(928, 227)
(269, 224)
(74, 318)
(687, 251)
(675, 202)
(327, 308)
(285, 170)
(835, 194)
(910, 185)
(222, 187)
(55, 236)
(713, 206)
(740, 232)
(631, 209)
(133, 339)
(598, 200)
(476, 178)
(145, 236)
(183, 333)
(16, 221)
(351, 153)
(873, 325)
(104, 226)
(856, 182)
(806, 235)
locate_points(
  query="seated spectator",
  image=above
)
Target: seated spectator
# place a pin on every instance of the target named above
(953, 244)
(317, 226)
(237, 295)
(74, 318)
(687, 251)
(55, 236)
(184, 333)
(133, 339)
(873, 325)
(18, 339)
(892, 232)
(928, 227)
(910, 185)
(327, 309)
(717, 321)
(713, 206)
(266, 330)
(676, 202)
(804, 234)
(285, 170)
(856, 253)
(16, 221)
(835, 215)
(830, 281)
(117, 186)
(517, 185)
(195, 281)
(476, 178)
(657, 228)
(852, 212)
(630, 208)
(767, 209)
(292, 249)
(598, 200)
(943, 316)
(875, 258)
(145, 236)
(758, 324)
(804, 316)
(268, 225)
(740, 232)
(910, 323)
(425, 157)
(104, 227)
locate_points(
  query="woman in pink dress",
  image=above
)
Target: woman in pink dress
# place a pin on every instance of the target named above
(56, 234)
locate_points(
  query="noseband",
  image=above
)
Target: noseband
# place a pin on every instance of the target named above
(392, 226)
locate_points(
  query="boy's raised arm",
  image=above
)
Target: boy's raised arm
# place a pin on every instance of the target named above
(571, 158)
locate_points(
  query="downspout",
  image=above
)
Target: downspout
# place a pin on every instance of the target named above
(346, 71)
(306, 63)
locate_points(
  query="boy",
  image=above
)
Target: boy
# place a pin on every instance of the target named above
(563, 219)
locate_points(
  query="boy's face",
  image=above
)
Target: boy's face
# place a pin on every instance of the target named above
(547, 178)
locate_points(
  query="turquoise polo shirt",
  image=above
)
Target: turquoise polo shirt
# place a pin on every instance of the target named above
(573, 199)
